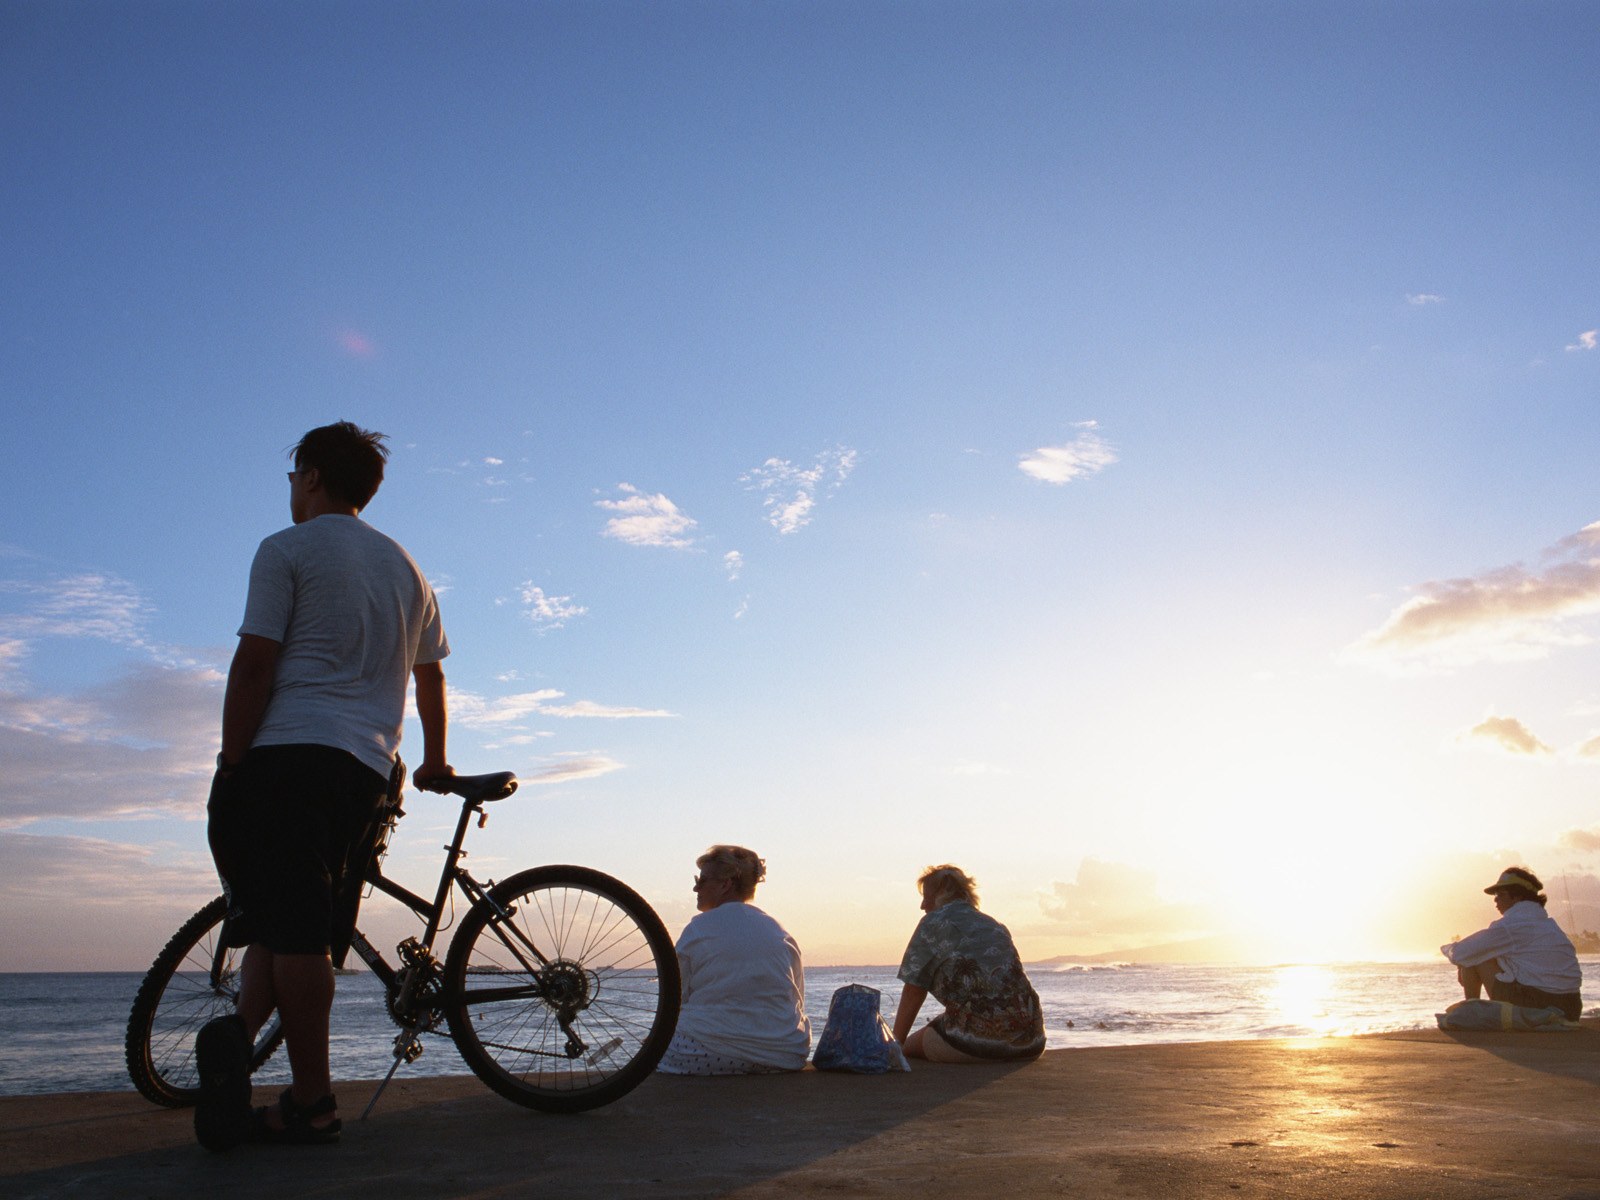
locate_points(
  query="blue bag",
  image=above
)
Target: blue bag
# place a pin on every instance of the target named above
(855, 1037)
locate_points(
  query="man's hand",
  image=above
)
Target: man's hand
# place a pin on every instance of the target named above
(427, 774)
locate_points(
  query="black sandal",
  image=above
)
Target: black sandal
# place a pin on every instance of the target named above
(297, 1127)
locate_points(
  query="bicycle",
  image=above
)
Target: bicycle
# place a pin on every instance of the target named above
(560, 987)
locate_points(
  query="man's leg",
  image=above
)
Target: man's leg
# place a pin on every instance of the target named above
(257, 997)
(1476, 978)
(304, 987)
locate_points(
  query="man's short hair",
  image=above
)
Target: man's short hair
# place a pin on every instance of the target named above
(348, 459)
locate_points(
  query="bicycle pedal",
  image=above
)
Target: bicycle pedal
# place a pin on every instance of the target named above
(407, 1047)
(604, 1052)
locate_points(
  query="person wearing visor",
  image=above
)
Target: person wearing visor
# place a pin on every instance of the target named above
(1523, 958)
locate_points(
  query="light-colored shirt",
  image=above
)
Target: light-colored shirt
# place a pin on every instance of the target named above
(1530, 947)
(353, 616)
(744, 987)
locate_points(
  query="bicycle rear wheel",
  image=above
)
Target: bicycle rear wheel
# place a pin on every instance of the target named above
(191, 981)
(584, 1025)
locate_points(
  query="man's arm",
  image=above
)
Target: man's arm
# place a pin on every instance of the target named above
(431, 711)
(911, 998)
(250, 676)
(1479, 947)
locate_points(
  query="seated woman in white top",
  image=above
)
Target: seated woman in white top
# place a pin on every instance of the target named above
(743, 986)
(1524, 957)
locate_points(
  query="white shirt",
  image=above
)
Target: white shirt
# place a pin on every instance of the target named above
(1530, 946)
(744, 987)
(353, 616)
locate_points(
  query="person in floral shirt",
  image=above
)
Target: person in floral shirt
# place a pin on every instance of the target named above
(968, 962)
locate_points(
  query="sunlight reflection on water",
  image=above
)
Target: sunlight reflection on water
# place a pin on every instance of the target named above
(1300, 994)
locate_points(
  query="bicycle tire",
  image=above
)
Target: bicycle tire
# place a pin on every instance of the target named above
(611, 956)
(175, 999)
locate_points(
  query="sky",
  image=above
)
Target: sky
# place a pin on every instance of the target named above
(1142, 453)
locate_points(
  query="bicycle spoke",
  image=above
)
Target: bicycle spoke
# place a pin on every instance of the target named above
(586, 1023)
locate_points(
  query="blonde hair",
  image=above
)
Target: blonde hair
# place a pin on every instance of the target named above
(946, 883)
(744, 868)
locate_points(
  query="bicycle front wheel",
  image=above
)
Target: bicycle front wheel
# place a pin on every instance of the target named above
(191, 981)
(561, 989)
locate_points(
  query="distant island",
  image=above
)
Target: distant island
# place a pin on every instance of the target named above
(1196, 950)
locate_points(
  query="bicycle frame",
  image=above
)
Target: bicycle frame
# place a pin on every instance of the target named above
(432, 912)
(560, 987)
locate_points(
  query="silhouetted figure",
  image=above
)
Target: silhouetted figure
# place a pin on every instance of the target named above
(968, 962)
(337, 620)
(744, 987)
(1523, 958)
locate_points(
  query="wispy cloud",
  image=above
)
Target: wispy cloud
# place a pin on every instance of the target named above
(46, 867)
(733, 564)
(1116, 900)
(120, 901)
(1506, 734)
(1085, 455)
(614, 712)
(1587, 340)
(1589, 748)
(140, 744)
(789, 493)
(1504, 614)
(1584, 841)
(477, 712)
(644, 520)
(87, 605)
(569, 767)
(547, 612)
(1421, 299)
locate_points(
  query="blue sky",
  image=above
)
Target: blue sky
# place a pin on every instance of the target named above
(1140, 452)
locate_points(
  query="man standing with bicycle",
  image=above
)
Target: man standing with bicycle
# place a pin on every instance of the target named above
(337, 620)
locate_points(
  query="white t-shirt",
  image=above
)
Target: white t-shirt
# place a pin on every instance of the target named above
(353, 615)
(1530, 947)
(744, 987)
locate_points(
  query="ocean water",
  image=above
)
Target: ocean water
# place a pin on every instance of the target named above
(64, 1032)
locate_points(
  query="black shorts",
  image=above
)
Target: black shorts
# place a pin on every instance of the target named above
(291, 831)
(1520, 994)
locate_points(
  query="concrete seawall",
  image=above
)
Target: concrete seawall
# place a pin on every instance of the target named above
(1405, 1115)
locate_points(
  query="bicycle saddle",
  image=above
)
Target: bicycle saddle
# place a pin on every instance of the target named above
(476, 788)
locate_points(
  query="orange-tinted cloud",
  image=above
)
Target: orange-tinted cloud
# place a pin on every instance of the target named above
(1503, 614)
(1507, 734)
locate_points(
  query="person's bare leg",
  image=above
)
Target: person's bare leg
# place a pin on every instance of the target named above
(936, 1049)
(303, 984)
(913, 1044)
(256, 999)
(1474, 979)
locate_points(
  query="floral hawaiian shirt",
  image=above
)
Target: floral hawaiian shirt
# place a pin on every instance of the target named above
(969, 963)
